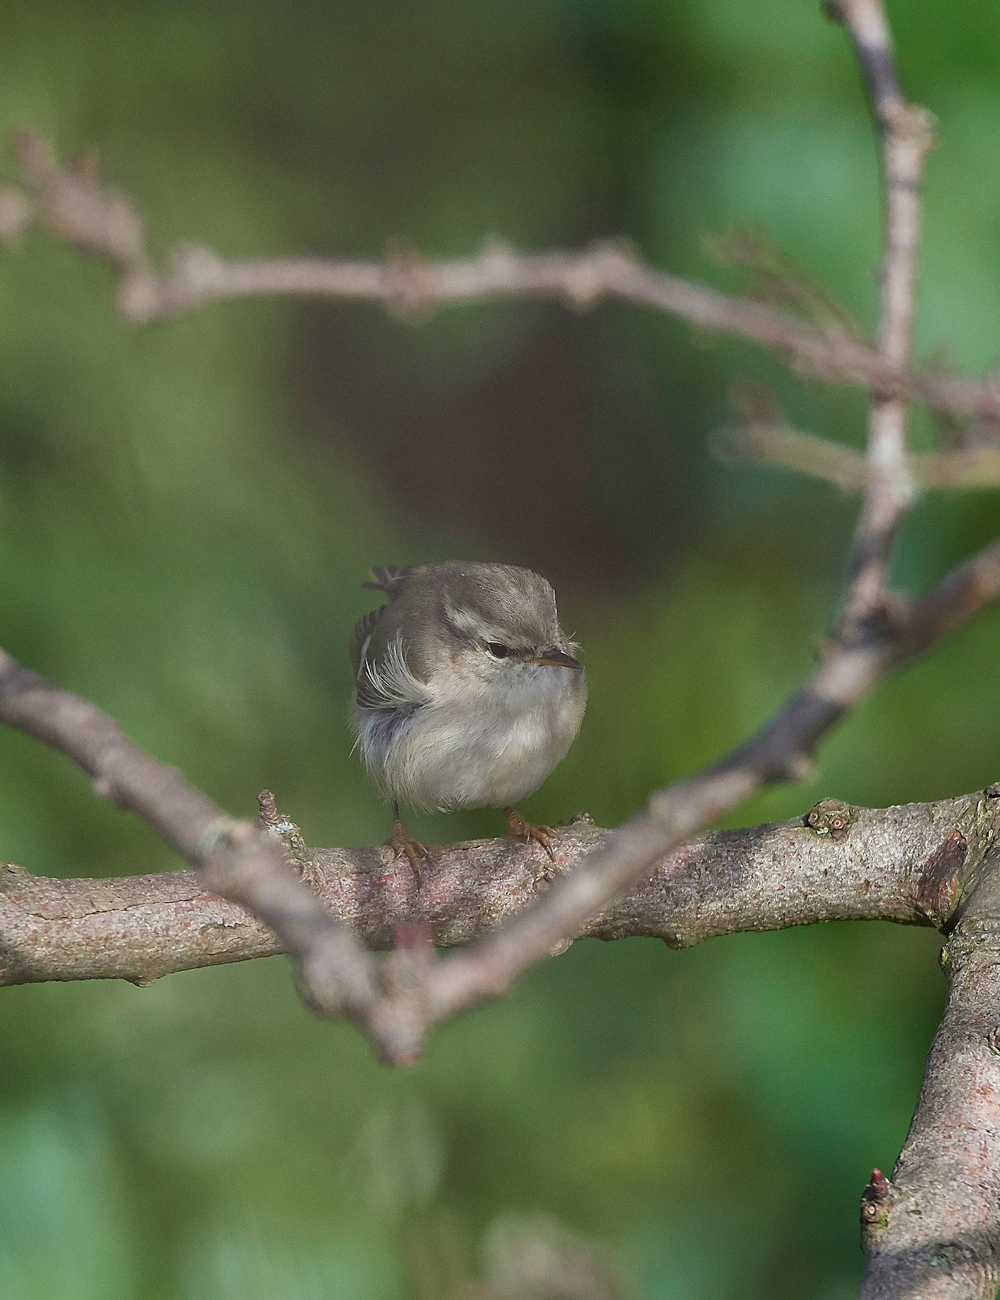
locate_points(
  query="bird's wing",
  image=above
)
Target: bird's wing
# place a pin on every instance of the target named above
(361, 639)
(388, 578)
(381, 675)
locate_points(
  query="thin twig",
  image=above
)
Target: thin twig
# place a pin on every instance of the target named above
(71, 205)
(803, 453)
(907, 135)
(974, 469)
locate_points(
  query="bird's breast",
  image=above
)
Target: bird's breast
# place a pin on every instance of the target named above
(487, 743)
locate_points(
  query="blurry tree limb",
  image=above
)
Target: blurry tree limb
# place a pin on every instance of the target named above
(803, 453)
(837, 863)
(236, 859)
(907, 134)
(973, 469)
(69, 203)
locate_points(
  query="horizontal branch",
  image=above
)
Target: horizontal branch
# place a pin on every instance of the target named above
(70, 204)
(839, 863)
(972, 469)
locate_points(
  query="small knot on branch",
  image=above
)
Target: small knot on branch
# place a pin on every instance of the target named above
(409, 282)
(937, 888)
(874, 1210)
(910, 124)
(874, 1196)
(282, 827)
(72, 205)
(830, 817)
(285, 831)
(887, 619)
(607, 266)
(196, 275)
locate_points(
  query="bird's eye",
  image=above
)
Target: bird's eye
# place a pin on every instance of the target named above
(498, 650)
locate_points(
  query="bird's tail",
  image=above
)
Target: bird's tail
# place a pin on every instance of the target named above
(388, 578)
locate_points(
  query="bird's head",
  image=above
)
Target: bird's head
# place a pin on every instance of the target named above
(494, 621)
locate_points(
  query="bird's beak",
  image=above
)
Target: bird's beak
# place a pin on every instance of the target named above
(555, 658)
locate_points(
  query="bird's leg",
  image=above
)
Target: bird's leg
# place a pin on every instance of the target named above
(528, 831)
(402, 842)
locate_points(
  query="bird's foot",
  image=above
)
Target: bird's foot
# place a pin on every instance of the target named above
(521, 829)
(403, 844)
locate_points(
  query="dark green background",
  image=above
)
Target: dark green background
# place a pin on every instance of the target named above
(186, 513)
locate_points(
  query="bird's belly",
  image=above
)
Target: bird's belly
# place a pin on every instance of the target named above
(494, 750)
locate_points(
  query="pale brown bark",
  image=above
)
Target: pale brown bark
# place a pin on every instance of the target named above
(936, 1232)
(877, 865)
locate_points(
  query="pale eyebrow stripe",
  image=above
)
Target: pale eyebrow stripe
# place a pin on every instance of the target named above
(466, 620)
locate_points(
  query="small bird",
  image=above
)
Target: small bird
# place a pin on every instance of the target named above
(467, 691)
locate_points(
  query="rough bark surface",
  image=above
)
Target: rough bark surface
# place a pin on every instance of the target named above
(938, 1234)
(837, 863)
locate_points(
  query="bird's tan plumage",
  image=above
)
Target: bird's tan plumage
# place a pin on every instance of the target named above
(466, 688)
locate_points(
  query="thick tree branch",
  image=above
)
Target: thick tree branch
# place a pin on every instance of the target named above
(935, 1229)
(69, 203)
(839, 863)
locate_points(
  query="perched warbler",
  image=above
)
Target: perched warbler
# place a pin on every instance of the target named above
(467, 691)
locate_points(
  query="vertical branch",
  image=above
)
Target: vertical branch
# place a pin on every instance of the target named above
(907, 135)
(935, 1230)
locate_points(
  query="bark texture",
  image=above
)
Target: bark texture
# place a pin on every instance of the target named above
(937, 1235)
(836, 863)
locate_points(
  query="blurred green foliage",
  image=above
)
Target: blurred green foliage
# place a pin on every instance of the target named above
(186, 513)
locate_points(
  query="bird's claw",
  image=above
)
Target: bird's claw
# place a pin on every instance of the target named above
(521, 829)
(403, 844)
